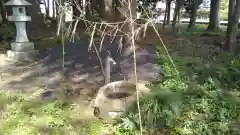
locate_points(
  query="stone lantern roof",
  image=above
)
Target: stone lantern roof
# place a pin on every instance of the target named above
(17, 3)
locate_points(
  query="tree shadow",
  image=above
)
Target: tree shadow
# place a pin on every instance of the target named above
(79, 63)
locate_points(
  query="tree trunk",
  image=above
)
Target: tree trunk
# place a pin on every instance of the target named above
(76, 5)
(118, 15)
(36, 26)
(231, 8)
(177, 9)
(54, 9)
(214, 18)
(107, 10)
(76, 12)
(102, 9)
(124, 9)
(49, 8)
(165, 16)
(178, 17)
(3, 11)
(168, 12)
(233, 21)
(178, 21)
(193, 18)
(134, 8)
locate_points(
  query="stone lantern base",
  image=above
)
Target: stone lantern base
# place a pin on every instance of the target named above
(22, 51)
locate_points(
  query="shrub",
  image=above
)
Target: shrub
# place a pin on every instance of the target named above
(7, 32)
(198, 101)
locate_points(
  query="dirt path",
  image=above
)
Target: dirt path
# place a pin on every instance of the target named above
(82, 71)
(45, 73)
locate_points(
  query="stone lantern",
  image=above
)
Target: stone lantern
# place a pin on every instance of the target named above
(21, 48)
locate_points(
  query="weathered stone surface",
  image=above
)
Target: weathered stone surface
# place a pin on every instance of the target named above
(19, 18)
(114, 98)
(22, 47)
(49, 95)
(22, 56)
(79, 78)
(18, 3)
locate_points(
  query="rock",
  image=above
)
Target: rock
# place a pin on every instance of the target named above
(114, 98)
(86, 88)
(49, 95)
(79, 78)
(115, 114)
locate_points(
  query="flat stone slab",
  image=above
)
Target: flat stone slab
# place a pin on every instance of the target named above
(22, 46)
(22, 56)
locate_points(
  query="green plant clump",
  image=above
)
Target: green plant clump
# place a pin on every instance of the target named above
(22, 115)
(203, 99)
(201, 30)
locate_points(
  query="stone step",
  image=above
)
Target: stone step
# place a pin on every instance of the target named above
(22, 56)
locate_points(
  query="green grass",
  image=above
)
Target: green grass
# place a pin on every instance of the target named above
(201, 30)
(27, 115)
(203, 99)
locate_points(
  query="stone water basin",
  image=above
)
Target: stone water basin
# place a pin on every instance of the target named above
(114, 98)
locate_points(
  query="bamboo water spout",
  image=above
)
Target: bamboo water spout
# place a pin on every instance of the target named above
(108, 66)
